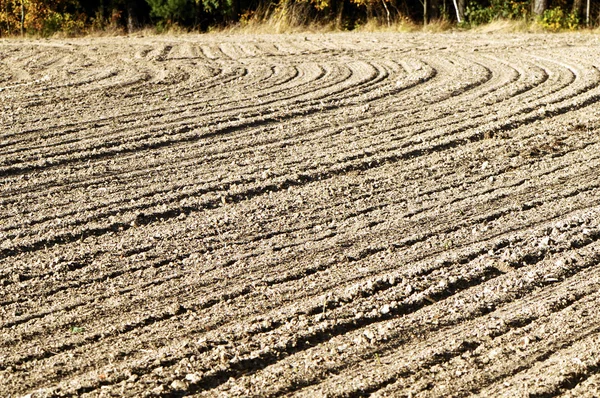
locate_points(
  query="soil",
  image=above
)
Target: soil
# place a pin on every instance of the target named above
(338, 215)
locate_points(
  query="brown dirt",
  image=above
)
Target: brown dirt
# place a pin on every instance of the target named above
(402, 215)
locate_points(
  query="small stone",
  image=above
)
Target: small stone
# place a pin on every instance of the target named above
(385, 309)
(179, 385)
(176, 309)
(369, 334)
(193, 378)
(485, 165)
(494, 353)
(577, 361)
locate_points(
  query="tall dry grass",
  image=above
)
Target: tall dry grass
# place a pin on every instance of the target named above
(287, 17)
(506, 26)
(524, 26)
(437, 26)
(396, 25)
(296, 19)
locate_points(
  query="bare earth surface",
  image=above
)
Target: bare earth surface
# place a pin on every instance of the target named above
(306, 215)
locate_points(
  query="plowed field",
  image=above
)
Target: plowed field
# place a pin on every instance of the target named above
(303, 215)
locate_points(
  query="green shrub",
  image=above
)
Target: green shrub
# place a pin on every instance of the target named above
(188, 12)
(173, 10)
(556, 19)
(476, 14)
(62, 22)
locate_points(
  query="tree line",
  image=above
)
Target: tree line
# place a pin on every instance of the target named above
(75, 17)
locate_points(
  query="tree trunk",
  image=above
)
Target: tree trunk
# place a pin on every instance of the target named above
(460, 9)
(434, 8)
(425, 14)
(587, 14)
(387, 13)
(7, 22)
(578, 7)
(339, 19)
(539, 6)
(22, 17)
(131, 18)
(235, 10)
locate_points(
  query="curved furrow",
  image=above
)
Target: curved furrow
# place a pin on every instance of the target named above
(159, 138)
(325, 74)
(77, 131)
(162, 198)
(532, 282)
(222, 76)
(336, 215)
(516, 209)
(388, 343)
(333, 317)
(583, 384)
(446, 354)
(215, 79)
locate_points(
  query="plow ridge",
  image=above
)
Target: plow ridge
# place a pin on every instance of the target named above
(302, 215)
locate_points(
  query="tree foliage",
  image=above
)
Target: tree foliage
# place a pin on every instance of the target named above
(40, 16)
(478, 13)
(45, 17)
(171, 10)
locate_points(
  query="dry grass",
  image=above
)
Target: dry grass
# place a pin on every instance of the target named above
(296, 18)
(399, 25)
(523, 26)
(438, 25)
(108, 31)
(593, 30)
(274, 26)
(286, 18)
(506, 26)
(148, 31)
(295, 21)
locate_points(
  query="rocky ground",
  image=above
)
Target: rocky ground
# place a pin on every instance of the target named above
(338, 215)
